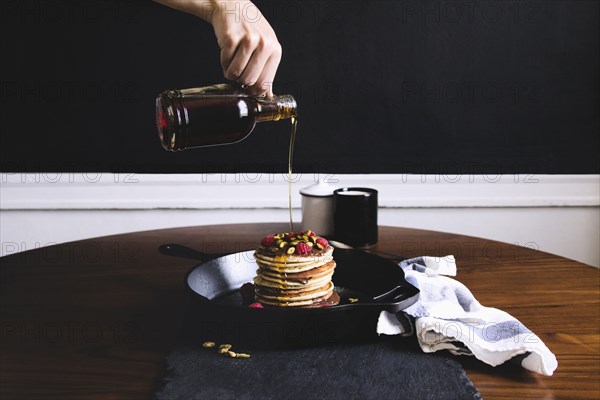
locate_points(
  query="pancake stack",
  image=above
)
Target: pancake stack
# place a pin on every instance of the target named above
(295, 270)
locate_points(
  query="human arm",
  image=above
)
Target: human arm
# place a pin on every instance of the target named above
(250, 51)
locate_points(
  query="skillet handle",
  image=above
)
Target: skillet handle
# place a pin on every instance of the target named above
(391, 295)
(179, 250)
(400, 298)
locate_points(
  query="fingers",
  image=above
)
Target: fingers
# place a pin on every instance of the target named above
(243, 52)
(255, 66)
(250, 51)
(264, 83)
(228, 47)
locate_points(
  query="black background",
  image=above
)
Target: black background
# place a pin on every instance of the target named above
(382, 86)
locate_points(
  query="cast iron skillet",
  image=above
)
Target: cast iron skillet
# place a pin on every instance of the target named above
(217, 312)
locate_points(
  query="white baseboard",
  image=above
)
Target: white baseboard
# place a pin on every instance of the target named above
(53, 191)
(558, 213)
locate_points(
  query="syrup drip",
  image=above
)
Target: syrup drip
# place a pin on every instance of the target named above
(290, 157)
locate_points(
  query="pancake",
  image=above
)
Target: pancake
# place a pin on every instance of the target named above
(292, 295)
(272, 255)
(298, 278)
(283, 285)
(331, 300)
(291, 267)
(295, 270)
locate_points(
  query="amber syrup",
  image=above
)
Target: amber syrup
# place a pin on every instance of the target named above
(290, 158)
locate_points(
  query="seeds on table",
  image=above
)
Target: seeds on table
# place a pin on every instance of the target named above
(225, 349)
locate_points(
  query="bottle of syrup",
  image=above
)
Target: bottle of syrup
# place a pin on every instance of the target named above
(215, 115)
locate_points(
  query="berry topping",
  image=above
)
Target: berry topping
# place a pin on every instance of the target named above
(303, 248)
(268, 240)
(247, 292)
(288, 243)
(323, 242)
(256, 305)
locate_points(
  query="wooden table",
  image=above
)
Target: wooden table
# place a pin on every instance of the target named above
(94, 319)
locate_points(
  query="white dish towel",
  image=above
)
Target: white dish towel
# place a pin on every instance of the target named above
(448, 317)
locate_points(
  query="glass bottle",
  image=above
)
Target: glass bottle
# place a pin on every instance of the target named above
(214, 115)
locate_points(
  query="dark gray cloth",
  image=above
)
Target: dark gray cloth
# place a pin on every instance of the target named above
(388, 368)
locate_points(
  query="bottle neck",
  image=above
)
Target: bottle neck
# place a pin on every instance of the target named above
(276, 108)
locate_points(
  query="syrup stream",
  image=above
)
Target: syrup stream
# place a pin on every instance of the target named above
(290, 157)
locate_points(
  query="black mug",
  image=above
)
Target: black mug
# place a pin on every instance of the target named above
(355, 216)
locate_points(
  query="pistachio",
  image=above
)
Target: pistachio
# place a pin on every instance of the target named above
(242, 355)
(232, 354)
(319, 246)
(278, 242)
(208, 344)
(278, 236)
(310, 244)
(352, 299)
(294, 242)
(313, 239)
(291, 250)
(283, 244)
(224, 348)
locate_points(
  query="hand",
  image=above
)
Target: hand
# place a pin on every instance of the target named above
(250, 52)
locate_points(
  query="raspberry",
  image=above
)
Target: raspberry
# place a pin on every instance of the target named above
(256, 305)
(303, 248)
(323, 242)
(247, 292)
(311, 233)
(268, 240)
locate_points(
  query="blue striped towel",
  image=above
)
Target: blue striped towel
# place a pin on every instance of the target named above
(448, 317)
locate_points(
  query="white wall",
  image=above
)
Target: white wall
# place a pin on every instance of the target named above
(558, 214)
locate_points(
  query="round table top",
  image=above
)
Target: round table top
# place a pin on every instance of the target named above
(96, 318)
